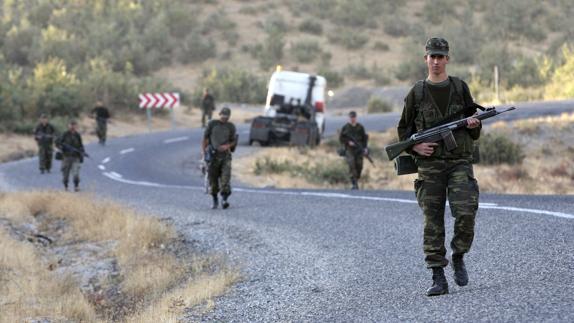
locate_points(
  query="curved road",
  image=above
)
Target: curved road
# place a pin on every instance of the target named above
(339, 255)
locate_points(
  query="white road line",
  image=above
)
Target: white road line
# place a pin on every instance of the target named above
(117, 177)
(102, 167)
(126, 151)
(106, 160)
(178, 139)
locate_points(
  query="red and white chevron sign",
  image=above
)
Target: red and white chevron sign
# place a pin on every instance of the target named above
(159, 100)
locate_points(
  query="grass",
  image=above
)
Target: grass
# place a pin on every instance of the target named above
(36, 284)
(547, 166)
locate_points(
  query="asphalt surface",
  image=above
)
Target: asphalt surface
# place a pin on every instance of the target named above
(312, 255)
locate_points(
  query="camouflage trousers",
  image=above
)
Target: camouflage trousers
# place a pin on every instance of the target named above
(101, 129)
(206, 116)
(219, 174)
(45, 155)
(438, 180)
(71, 166)
(355, 162)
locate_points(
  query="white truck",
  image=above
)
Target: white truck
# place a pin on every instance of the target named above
(294, 111)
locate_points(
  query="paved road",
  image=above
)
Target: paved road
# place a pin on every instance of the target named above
(338, 255)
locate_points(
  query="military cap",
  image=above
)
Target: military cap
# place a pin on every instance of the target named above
(225, 111)
(352, 114)
(437, 46)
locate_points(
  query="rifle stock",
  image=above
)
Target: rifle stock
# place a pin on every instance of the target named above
(394, 150)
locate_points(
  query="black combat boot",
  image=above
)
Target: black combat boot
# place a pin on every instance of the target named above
(215, 202)
(76, 185)
(65, 186)
(440, 285)
(460, 274)
(225, 204)
(355, 185)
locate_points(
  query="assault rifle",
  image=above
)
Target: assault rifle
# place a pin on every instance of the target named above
(74, 149)
(360, 147)
(441, 132)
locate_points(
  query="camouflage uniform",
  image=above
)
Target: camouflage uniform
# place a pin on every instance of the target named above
(354, 155)
(207, 108)
(444, 174)
(102, 115)
(219, 172)
(44, 135)
(70, 143)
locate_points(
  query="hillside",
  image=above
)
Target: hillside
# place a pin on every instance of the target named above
(59, 57)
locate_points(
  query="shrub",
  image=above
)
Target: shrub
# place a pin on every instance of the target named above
(330, 173)
(378, 105)
(497, 149)
(275, 24)
(349, 38)
(232, 85)
(196, 49)
(334, 78)
(379, 45)
(271, 52)
(396, 26)
(305, 51)
(358, 71)
(311, 26)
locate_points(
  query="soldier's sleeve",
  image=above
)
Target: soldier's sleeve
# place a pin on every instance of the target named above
(468, 100)
(364, 136)
(207, 132)
(342, 135)
(81, 143)
(406, 126)
(233, 133)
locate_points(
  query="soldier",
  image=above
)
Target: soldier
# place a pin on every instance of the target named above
(70, 144)
(443, 174)
(207, 107)
(354, 138)
(44, 134)
(220, 137)
(101, 114)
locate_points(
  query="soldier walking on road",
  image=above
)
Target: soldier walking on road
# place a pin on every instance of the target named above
(219, 141)
(44, 134)
(443, 174)
(354, 138)
(207, 107)
(102, 115)
(72, 148)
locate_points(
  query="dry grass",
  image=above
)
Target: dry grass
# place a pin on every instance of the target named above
(547, 169)
(151, 272)
(29, 290)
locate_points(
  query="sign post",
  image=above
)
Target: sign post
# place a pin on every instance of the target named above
(150, 101)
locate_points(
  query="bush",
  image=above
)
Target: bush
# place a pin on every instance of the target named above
(348, 38)
(305, 51)
(396, 27)
(334, 78)
(232, 85)
(311, 26)
(358, 71)
(271, 52)
(330, 173)
(497, 149)
(379, 45)
(378, 105)
(196, 49)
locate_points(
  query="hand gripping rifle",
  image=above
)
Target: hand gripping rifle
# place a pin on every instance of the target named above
(359, 146)
(74, 149)
(438, 133)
